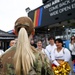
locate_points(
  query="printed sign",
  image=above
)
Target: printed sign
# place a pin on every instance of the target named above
(53, 12)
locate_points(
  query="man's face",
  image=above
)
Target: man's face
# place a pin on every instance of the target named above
(51, 41)
(12, 42)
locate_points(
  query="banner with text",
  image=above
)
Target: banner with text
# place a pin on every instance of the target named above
(53, 12)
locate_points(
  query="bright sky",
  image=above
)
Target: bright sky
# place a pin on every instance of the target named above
(10, 10)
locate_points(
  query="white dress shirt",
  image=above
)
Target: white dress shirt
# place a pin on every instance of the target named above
(49, 49)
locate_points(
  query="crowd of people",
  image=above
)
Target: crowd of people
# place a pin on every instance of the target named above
(24, 57)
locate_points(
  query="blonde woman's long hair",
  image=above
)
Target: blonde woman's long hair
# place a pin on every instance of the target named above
(24, 57)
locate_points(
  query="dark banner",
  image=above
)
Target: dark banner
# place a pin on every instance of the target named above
(53, 12)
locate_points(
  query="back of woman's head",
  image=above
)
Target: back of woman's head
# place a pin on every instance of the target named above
(24, 57)
(25, 22)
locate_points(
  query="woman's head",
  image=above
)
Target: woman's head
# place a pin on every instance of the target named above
(59, 42)
(72, 38)
(25, 22)
(39, 44)
(24, 57)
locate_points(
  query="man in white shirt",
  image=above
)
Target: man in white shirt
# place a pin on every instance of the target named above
(50, 47)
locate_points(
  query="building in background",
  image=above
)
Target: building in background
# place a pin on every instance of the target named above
(5, 38)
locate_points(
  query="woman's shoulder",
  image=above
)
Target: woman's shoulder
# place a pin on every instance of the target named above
(6, 62)
(66, 50)
(8, 53)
